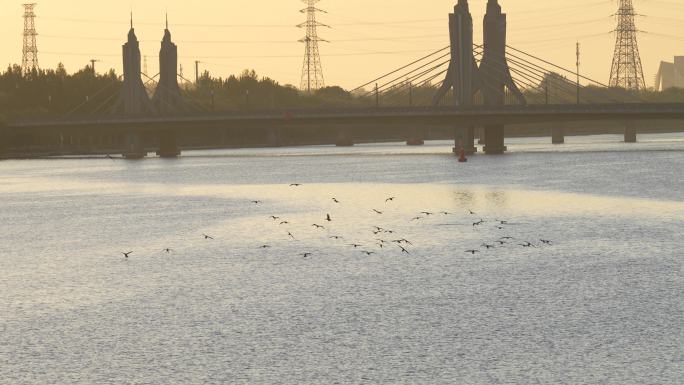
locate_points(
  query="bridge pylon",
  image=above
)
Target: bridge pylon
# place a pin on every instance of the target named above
(462, 75)
(496, 74)
(167, 98)
(133, 99)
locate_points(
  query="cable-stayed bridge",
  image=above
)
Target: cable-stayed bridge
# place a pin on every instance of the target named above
(481, 88)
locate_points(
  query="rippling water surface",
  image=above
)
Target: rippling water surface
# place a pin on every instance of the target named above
(602, 303)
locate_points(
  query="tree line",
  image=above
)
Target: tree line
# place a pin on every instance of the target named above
(58, 93)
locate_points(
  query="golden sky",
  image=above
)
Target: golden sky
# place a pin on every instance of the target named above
(367, 38)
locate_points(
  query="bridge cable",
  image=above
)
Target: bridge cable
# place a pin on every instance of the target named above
(399, 69)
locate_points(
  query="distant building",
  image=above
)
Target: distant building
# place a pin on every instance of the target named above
(670, 75)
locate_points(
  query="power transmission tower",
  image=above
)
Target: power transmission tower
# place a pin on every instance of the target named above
(29, 60)
(312, 70)
(626, 71)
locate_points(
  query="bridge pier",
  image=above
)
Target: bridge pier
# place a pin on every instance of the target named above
(134, 146)
(481, 135)
(464, 137)
(630, 133)
(417, 138)
(272, 138)
(3, 143)
(344, 138)
(494, 140)
(168, 145)
(558, 134)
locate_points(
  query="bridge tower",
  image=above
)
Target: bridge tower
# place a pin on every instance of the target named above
(495, 74)
(462, 75)
(167, 98)
(133, 99)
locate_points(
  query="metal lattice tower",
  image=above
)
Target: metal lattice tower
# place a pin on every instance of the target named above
(626, 71)
(312, 70)
(29, 60)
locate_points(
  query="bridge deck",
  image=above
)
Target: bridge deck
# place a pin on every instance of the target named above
(470, 115)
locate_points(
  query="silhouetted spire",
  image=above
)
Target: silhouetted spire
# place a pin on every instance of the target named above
(462, 6)
(493, 6)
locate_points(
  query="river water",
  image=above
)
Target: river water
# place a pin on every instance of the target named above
(602, 303)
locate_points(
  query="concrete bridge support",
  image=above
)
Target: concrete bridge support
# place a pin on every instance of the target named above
(168, 145)
(273, 137)
(3, 143)
(417, 138)
(134, 146)
(464, 137)
(630, 132)
(558, 134)
(344, 138)
(494, 140)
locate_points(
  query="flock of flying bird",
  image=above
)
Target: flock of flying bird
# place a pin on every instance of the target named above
(402, 245)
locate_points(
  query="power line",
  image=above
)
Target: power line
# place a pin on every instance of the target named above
(67, 37)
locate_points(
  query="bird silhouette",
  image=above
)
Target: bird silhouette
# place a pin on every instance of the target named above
(284, 223)
(265, 247)
(478, 223)
(527, 244)
(546, 242)
(368, 253)
(318, 226)
(404, 240)
(327, 218)
(256, 202)
(472, 251)
(306, 255)
(335, 200)
(167, 250)
(378, 228)
(445, 213)
(110, 158)
(354, 245)
(207, 236)
(377, 212)
(295, 185)
(417, 218)
(336, 237)
(274, 217)
(403, 250)
(487, 246)
(426, 213)
(472, 212)
(291, 236)
(390, 199)
(126, 255)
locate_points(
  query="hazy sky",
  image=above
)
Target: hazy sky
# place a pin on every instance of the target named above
(368, 38)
